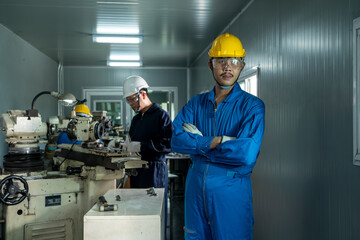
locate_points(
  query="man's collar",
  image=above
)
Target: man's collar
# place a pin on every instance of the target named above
(235, 91)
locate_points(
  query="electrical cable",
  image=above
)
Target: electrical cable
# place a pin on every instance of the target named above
(67, 155)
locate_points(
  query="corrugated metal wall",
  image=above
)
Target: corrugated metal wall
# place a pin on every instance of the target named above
(305, 185)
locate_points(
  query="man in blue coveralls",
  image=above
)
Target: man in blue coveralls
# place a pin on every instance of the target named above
(150, 133)
(222, 130)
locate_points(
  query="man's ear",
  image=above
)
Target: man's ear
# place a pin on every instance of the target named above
(243, 65)
(210, 65)
(143, 94)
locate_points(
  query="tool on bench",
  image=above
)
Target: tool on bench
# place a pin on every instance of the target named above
(104, 206)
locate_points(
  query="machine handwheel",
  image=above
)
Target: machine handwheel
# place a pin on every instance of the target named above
(13, 190)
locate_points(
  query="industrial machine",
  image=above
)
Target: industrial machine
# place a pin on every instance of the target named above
(45, 192)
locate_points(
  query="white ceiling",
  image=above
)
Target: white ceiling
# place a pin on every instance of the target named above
(174, 32)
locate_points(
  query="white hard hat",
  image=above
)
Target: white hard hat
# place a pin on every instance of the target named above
(134, 84)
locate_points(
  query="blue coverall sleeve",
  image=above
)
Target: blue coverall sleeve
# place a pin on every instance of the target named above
(185, 142)
(245, 148)
(160, 143)
(241, 151)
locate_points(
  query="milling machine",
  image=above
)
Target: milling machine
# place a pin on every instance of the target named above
(45, 193)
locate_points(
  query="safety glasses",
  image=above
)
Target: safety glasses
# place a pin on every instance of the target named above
(234, 63)
(133, 98)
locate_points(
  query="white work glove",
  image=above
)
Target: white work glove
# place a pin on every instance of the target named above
(188, 127)
(226, 138)
(131, 146)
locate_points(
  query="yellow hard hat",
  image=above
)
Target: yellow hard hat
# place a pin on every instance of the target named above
(82, 109)
(227, 45)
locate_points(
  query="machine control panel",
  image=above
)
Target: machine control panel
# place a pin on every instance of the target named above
(54, 200)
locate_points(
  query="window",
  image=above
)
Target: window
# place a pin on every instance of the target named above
(248, 81)
(113, 110)
(165, 99)
(356, 91)
(111, 100)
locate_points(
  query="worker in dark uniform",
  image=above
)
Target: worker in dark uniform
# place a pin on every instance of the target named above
(150, 134)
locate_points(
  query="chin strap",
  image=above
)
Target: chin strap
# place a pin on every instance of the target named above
(138, 105)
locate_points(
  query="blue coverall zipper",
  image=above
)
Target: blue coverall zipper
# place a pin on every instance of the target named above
(207, 167)
(207, 216)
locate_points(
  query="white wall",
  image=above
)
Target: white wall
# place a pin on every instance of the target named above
(24, 72)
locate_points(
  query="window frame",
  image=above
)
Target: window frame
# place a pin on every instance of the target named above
(356, 92)
(110, 101)
(118, 91)
(254, 71)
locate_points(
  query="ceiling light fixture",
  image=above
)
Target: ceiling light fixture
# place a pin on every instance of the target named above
(124, 57)
(107, 29)
(124, 64)
(116, 39)
(125, 3)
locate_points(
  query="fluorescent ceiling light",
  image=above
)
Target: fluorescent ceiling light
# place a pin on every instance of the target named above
(126, 57)
(124, 64)
(125, 3)
(116, 39)
(117, 30)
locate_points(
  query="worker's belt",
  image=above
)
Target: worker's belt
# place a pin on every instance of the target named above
(220, 169)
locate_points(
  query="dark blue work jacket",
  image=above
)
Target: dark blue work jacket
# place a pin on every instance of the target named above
(153, 129)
